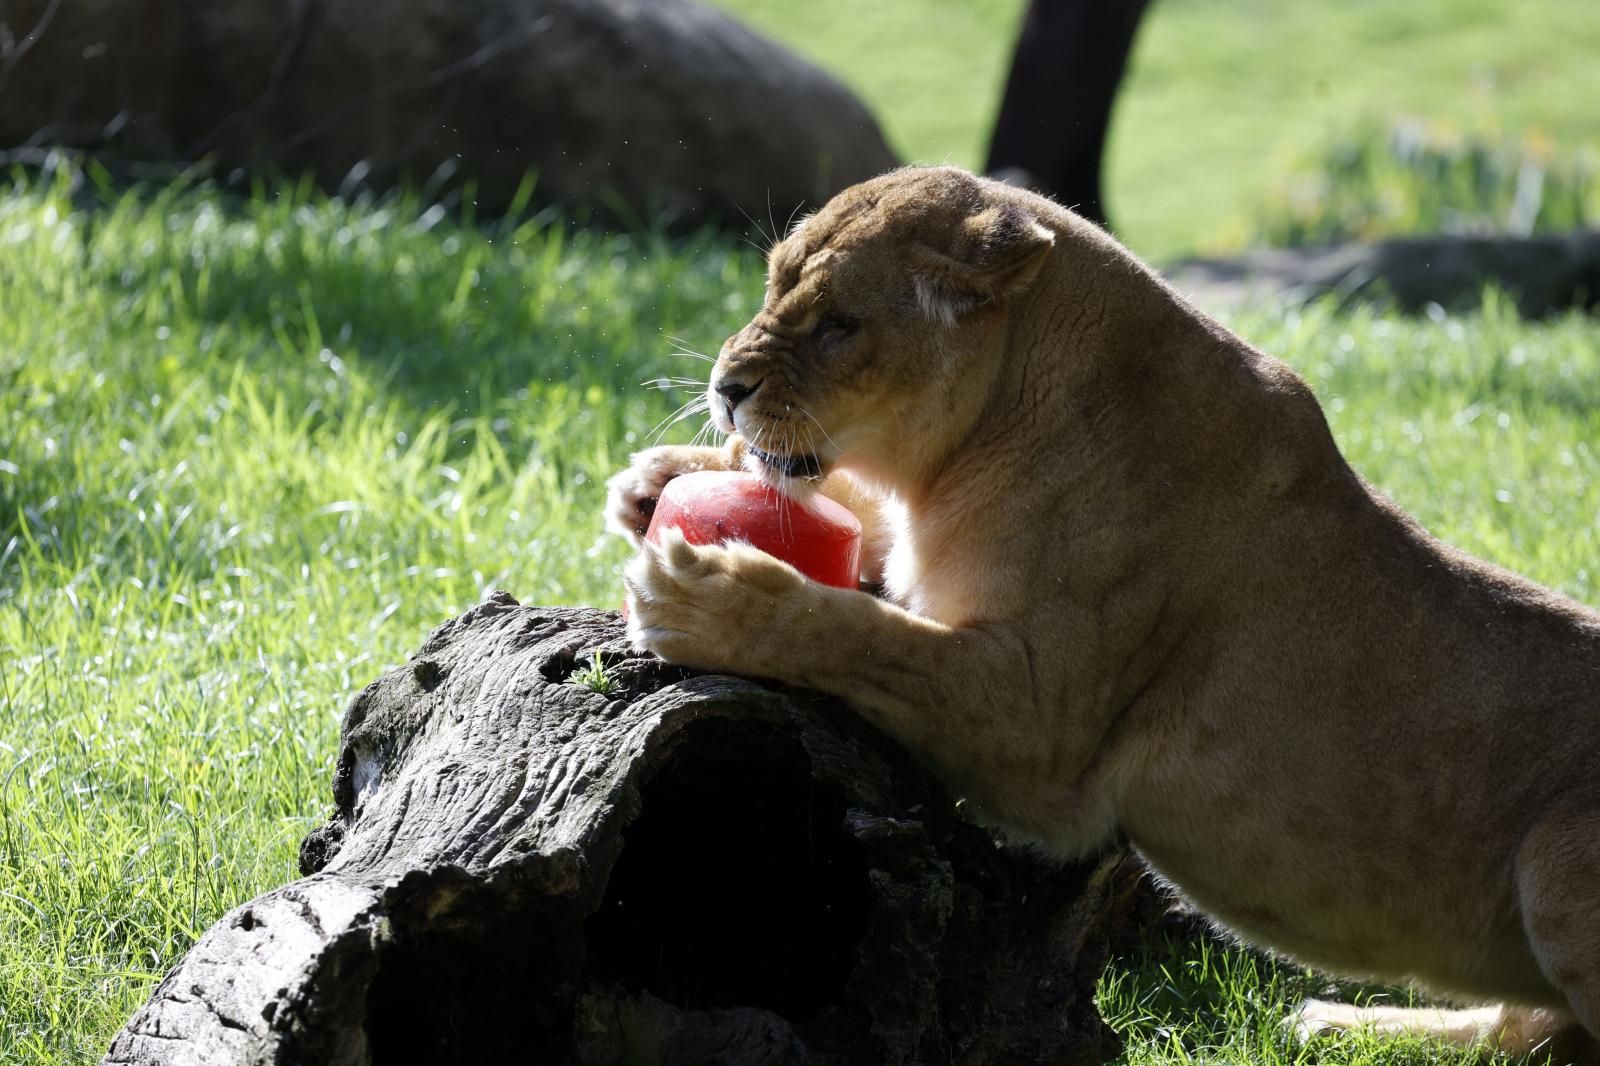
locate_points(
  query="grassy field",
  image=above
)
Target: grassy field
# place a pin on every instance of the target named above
(1201, 1002)
(247, 459)
(251, 452)
(1223, 96)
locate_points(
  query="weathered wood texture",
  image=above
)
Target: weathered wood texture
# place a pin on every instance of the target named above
(687, 869)
(1545, 273)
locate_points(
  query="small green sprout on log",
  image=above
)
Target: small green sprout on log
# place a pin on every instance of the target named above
(594, 677)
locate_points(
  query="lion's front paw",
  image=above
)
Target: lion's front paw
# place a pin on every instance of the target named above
(631, 494)
(1304, 1023)
(1316, 1018)
(714, 607)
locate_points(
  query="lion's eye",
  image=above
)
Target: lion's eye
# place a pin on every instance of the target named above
(834, 326)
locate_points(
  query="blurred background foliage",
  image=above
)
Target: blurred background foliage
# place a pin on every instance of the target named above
(1421, 178)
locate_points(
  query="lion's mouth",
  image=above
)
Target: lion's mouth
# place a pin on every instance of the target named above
(788, 465)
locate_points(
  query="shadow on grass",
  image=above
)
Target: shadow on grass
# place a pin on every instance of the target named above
(427, 302)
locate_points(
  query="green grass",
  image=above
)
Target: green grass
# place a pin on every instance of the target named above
(594, 677)
(250, 452)
(1223, 97)
(249, 455)
(931, 70)
(1198, 1001)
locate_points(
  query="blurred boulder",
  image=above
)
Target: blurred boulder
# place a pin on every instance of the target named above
(637, 108)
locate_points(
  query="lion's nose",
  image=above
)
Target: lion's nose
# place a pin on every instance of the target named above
(734, 393)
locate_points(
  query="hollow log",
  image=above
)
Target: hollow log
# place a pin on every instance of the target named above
(532, 860)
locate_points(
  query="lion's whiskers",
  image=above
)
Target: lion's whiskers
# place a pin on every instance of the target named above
(704, 434)
(667, 382)
(684, 349)
(770, 238)
(695, 406)
(825, 434)
(785, 506)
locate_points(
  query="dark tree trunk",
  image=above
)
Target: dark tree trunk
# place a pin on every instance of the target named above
(1057, 105)
(681, 869)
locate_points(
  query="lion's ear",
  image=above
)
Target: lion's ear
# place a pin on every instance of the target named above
(993, 254)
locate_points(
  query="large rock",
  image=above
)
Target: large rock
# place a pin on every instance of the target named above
(641, 107)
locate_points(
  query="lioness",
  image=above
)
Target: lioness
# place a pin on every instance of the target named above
(1131, 584)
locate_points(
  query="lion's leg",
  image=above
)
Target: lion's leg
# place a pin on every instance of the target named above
(1558, 889)
(962, 697)
(631, 493)
(1558, 885)
(1519, 1031)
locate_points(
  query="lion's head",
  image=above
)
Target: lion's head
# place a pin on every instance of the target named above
(883, 324)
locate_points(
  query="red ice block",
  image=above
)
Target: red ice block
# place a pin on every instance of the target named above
(821, 539)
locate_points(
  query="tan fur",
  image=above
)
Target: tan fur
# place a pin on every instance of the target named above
(1133, 585)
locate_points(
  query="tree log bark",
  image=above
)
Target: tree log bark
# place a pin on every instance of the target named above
(1545, 274)
(680, 869)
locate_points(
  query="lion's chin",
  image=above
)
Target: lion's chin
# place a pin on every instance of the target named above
(791, 466)
(796, 476)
